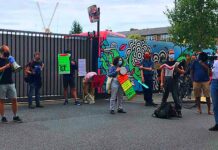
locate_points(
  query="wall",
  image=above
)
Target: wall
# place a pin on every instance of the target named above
(132, 51)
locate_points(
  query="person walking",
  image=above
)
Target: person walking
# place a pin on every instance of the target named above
(116, 89)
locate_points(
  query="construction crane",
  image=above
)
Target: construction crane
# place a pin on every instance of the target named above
(47, 29)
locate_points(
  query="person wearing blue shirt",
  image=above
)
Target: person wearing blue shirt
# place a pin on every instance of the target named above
(147, 68)
(201, 80)
(116, 89)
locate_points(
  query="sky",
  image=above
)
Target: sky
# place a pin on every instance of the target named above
(116, 15)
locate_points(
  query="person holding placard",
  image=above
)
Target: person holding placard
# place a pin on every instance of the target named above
(116, 89)
(170, 71)
(69, 80)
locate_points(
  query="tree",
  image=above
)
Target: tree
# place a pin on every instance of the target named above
(76, 28)
(135, 36)
(194, 23)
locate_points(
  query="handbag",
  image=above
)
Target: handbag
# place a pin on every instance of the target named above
(108, 84)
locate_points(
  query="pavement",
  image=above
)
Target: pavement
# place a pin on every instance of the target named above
(91, 127)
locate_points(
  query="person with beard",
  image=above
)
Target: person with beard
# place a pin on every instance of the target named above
(147, 71)
(116, 89)
(34, 69)
(170, 72)
(7, 86)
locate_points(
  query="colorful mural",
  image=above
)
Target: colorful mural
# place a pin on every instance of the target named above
(132, 52)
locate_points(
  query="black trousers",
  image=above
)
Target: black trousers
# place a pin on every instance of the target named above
(148, 92)
(171, 85)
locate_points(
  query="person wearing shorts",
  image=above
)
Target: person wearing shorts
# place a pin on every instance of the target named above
(7, 86)
(201, 81)
(69, 81)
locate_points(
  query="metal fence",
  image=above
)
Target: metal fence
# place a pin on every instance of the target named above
(24, 44)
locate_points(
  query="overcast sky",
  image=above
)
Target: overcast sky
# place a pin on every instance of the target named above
(116, 15)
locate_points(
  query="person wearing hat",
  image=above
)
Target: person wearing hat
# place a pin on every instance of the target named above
(7, 86)
(170, 72)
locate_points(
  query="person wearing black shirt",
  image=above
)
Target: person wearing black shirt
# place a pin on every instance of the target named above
(34, 69)
(69, 80)
(169, 81)
(7, 86)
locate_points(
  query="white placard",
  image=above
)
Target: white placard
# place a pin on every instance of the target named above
(82, 67)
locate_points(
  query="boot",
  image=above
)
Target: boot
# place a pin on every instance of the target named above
(208, 106)
(198, 103)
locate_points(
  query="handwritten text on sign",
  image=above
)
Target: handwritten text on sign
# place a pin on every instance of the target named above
(63, 63)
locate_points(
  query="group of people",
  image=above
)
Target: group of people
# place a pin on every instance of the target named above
(171, 70)
(33, 77)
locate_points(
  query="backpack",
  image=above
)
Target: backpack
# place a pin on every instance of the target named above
(165, 111)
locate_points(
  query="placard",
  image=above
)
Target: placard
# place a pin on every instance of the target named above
(126, 86)
(63, 63)
(82, 67)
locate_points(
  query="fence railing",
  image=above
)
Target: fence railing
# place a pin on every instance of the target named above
(24, 44)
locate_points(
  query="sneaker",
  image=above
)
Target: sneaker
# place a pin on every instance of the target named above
(65, 102)
(31, 107)
(77, 103)
(92, 102)
(112, 112)
(179, 114)
(39, 106)
(17, 119)
(151, 104)
(4, 120)
(121, 111)
(214, 128)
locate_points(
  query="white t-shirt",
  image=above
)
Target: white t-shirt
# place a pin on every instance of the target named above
(215, 70)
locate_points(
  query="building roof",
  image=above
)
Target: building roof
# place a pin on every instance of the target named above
(145, 32)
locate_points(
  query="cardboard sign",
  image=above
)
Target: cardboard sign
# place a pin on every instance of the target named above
(82, 67)
(64, 63)
(127, 86)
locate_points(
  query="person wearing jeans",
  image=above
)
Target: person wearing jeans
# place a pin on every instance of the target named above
(116, 89)
(34, 69)
(214, 94)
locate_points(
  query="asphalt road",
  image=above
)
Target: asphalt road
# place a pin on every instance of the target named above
(91, 127)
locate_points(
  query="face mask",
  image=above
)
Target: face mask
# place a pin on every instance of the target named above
(171, 56)
(146, 56)
(6, 54)
(120, 62)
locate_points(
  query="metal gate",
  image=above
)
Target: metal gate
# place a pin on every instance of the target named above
(24, 44)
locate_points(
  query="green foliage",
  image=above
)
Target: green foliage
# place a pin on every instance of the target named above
(76, 28)
(194, 23)
(135, 36)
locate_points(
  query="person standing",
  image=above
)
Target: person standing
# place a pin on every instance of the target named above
(69, 80)
(214, 93)
(34, 70)
(169, 81)
(147, 71)
(116, 89)
(7, 86)
(201, 81)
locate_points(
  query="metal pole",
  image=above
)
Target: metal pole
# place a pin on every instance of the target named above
(98, 25)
